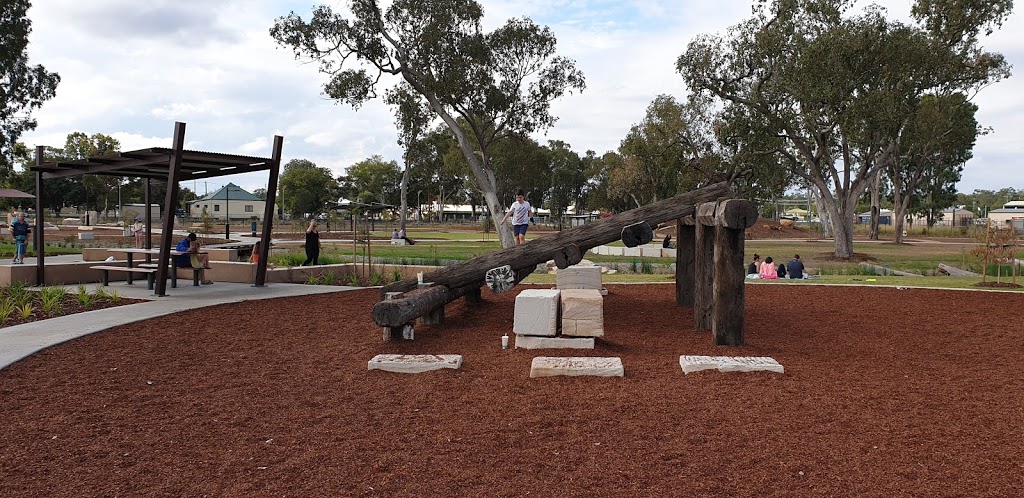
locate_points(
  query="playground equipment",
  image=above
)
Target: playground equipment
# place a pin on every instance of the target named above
(408, 300)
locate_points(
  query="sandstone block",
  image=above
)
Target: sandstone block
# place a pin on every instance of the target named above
(574, 366)
(536, 312)
(729, 364)
(414, 363)
(536, 342)
(579, 277)
(582, 313)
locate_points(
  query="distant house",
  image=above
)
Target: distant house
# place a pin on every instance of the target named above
(1011, 213)
(885, 217)
(229, 202)
(954, 216)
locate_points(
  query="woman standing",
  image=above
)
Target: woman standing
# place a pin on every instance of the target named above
(312, 244)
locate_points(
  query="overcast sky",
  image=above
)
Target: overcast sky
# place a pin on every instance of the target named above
(130, 69)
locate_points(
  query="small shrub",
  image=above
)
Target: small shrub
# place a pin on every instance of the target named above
(646, 267)
(352, 279)
(18, 293)
(114, 297)
(327, 278)
(83, 296)
(6, 309)
(100, 292)
(26, 310)
(397, 275)
(51, 298)
(312, 279)
(375, 279)
(633, 266)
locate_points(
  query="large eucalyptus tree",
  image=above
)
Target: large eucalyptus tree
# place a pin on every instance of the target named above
(838, 90)
(498, 82)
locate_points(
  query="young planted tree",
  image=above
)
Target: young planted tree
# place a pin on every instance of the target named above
(412, 118)
(498, 82)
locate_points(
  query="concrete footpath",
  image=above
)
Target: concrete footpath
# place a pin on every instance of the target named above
(22, 340)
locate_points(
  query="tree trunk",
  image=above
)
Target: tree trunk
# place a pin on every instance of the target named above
(875, 205)
(405, 190)
(527, 256)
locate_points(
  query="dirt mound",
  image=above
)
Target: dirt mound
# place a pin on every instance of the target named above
(770, 229)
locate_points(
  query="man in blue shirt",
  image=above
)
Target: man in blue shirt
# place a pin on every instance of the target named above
(795, 267)
(20, 230)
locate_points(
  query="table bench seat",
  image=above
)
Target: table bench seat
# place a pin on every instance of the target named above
(106, 269)
(174, 275)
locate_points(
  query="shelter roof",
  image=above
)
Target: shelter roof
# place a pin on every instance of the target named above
(155, 163)
(10, 193)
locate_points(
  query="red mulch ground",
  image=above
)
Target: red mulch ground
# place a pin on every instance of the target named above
(887, 392)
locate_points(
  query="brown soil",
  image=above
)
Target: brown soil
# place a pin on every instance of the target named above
(68, 306)
(886, 393)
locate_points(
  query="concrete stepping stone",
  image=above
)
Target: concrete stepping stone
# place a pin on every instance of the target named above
(538, 342)
(575, 366)
(729, 364)
(414, 363)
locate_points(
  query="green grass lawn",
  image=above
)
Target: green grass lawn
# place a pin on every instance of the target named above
(435, 247)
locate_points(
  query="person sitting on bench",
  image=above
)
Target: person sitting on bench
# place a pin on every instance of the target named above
(192, 257)
(401, 235)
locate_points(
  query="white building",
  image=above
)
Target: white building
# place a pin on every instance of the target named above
(1011, 212)
(229, 202)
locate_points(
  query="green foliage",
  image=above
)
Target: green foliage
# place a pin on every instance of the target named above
(6, 309)
(352, 279)
(814, 83)
(25, 310)
(51, 298)
(373, 180)
(100, 292)
(376, 278)
(83, 296)
(306, 188)
(484, 86)
(24, 87)
(396, 275)
(114, 297)
(646, 267)
(633, 267)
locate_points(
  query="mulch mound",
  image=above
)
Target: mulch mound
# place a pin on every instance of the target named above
(887, 392)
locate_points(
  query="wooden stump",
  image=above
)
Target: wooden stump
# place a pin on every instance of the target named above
(568, 256)
(500, 279)
(637, 234)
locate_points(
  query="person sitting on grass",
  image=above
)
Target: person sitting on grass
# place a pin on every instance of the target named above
(796, 267)
(192, 258)
(768, 270)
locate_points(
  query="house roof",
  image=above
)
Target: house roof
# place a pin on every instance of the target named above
(228, 192)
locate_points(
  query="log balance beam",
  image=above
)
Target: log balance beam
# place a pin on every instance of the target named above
(466, 278)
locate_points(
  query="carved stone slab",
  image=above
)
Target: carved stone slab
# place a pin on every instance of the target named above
(579, 277)
(575, 366)
(500, 279)
(729, 364)
(414, 363)
(535, 342)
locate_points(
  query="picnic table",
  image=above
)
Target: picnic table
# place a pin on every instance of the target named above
(131, 251)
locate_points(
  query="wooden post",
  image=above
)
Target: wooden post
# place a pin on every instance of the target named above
(474, 296)
(704, 273)
(732, 217)
(436, 315)
(686, 238)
